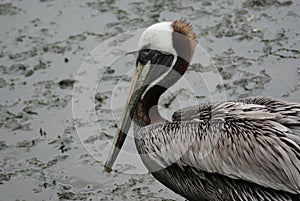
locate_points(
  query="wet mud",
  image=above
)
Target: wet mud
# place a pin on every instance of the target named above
(254, 46)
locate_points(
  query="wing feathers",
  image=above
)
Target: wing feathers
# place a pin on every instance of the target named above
(255, 139)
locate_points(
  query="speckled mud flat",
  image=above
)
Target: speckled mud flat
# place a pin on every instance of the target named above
(254, 45)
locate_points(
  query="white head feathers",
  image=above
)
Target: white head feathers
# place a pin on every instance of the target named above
(158, 37)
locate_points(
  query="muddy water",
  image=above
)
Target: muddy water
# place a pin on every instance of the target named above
(254, 45)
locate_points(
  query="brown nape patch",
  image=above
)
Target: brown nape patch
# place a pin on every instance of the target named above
(184, 43)
(184, 27)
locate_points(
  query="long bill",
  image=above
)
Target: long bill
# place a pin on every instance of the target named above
(137, 88)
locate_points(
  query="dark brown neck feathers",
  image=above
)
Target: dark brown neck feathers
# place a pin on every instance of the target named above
(184, 44)
(147, 109)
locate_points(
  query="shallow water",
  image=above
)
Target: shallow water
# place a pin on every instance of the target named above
(254, 45)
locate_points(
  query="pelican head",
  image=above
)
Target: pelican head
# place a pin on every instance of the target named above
(164, 48)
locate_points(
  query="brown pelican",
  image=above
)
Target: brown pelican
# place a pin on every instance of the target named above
(235, 150)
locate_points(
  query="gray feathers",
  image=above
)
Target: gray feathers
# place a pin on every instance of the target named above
(256, 140)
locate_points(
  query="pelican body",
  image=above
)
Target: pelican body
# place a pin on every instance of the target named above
(235, 150)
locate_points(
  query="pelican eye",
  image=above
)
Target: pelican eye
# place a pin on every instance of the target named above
(145, 52)
(156, 57)
(145, 55)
